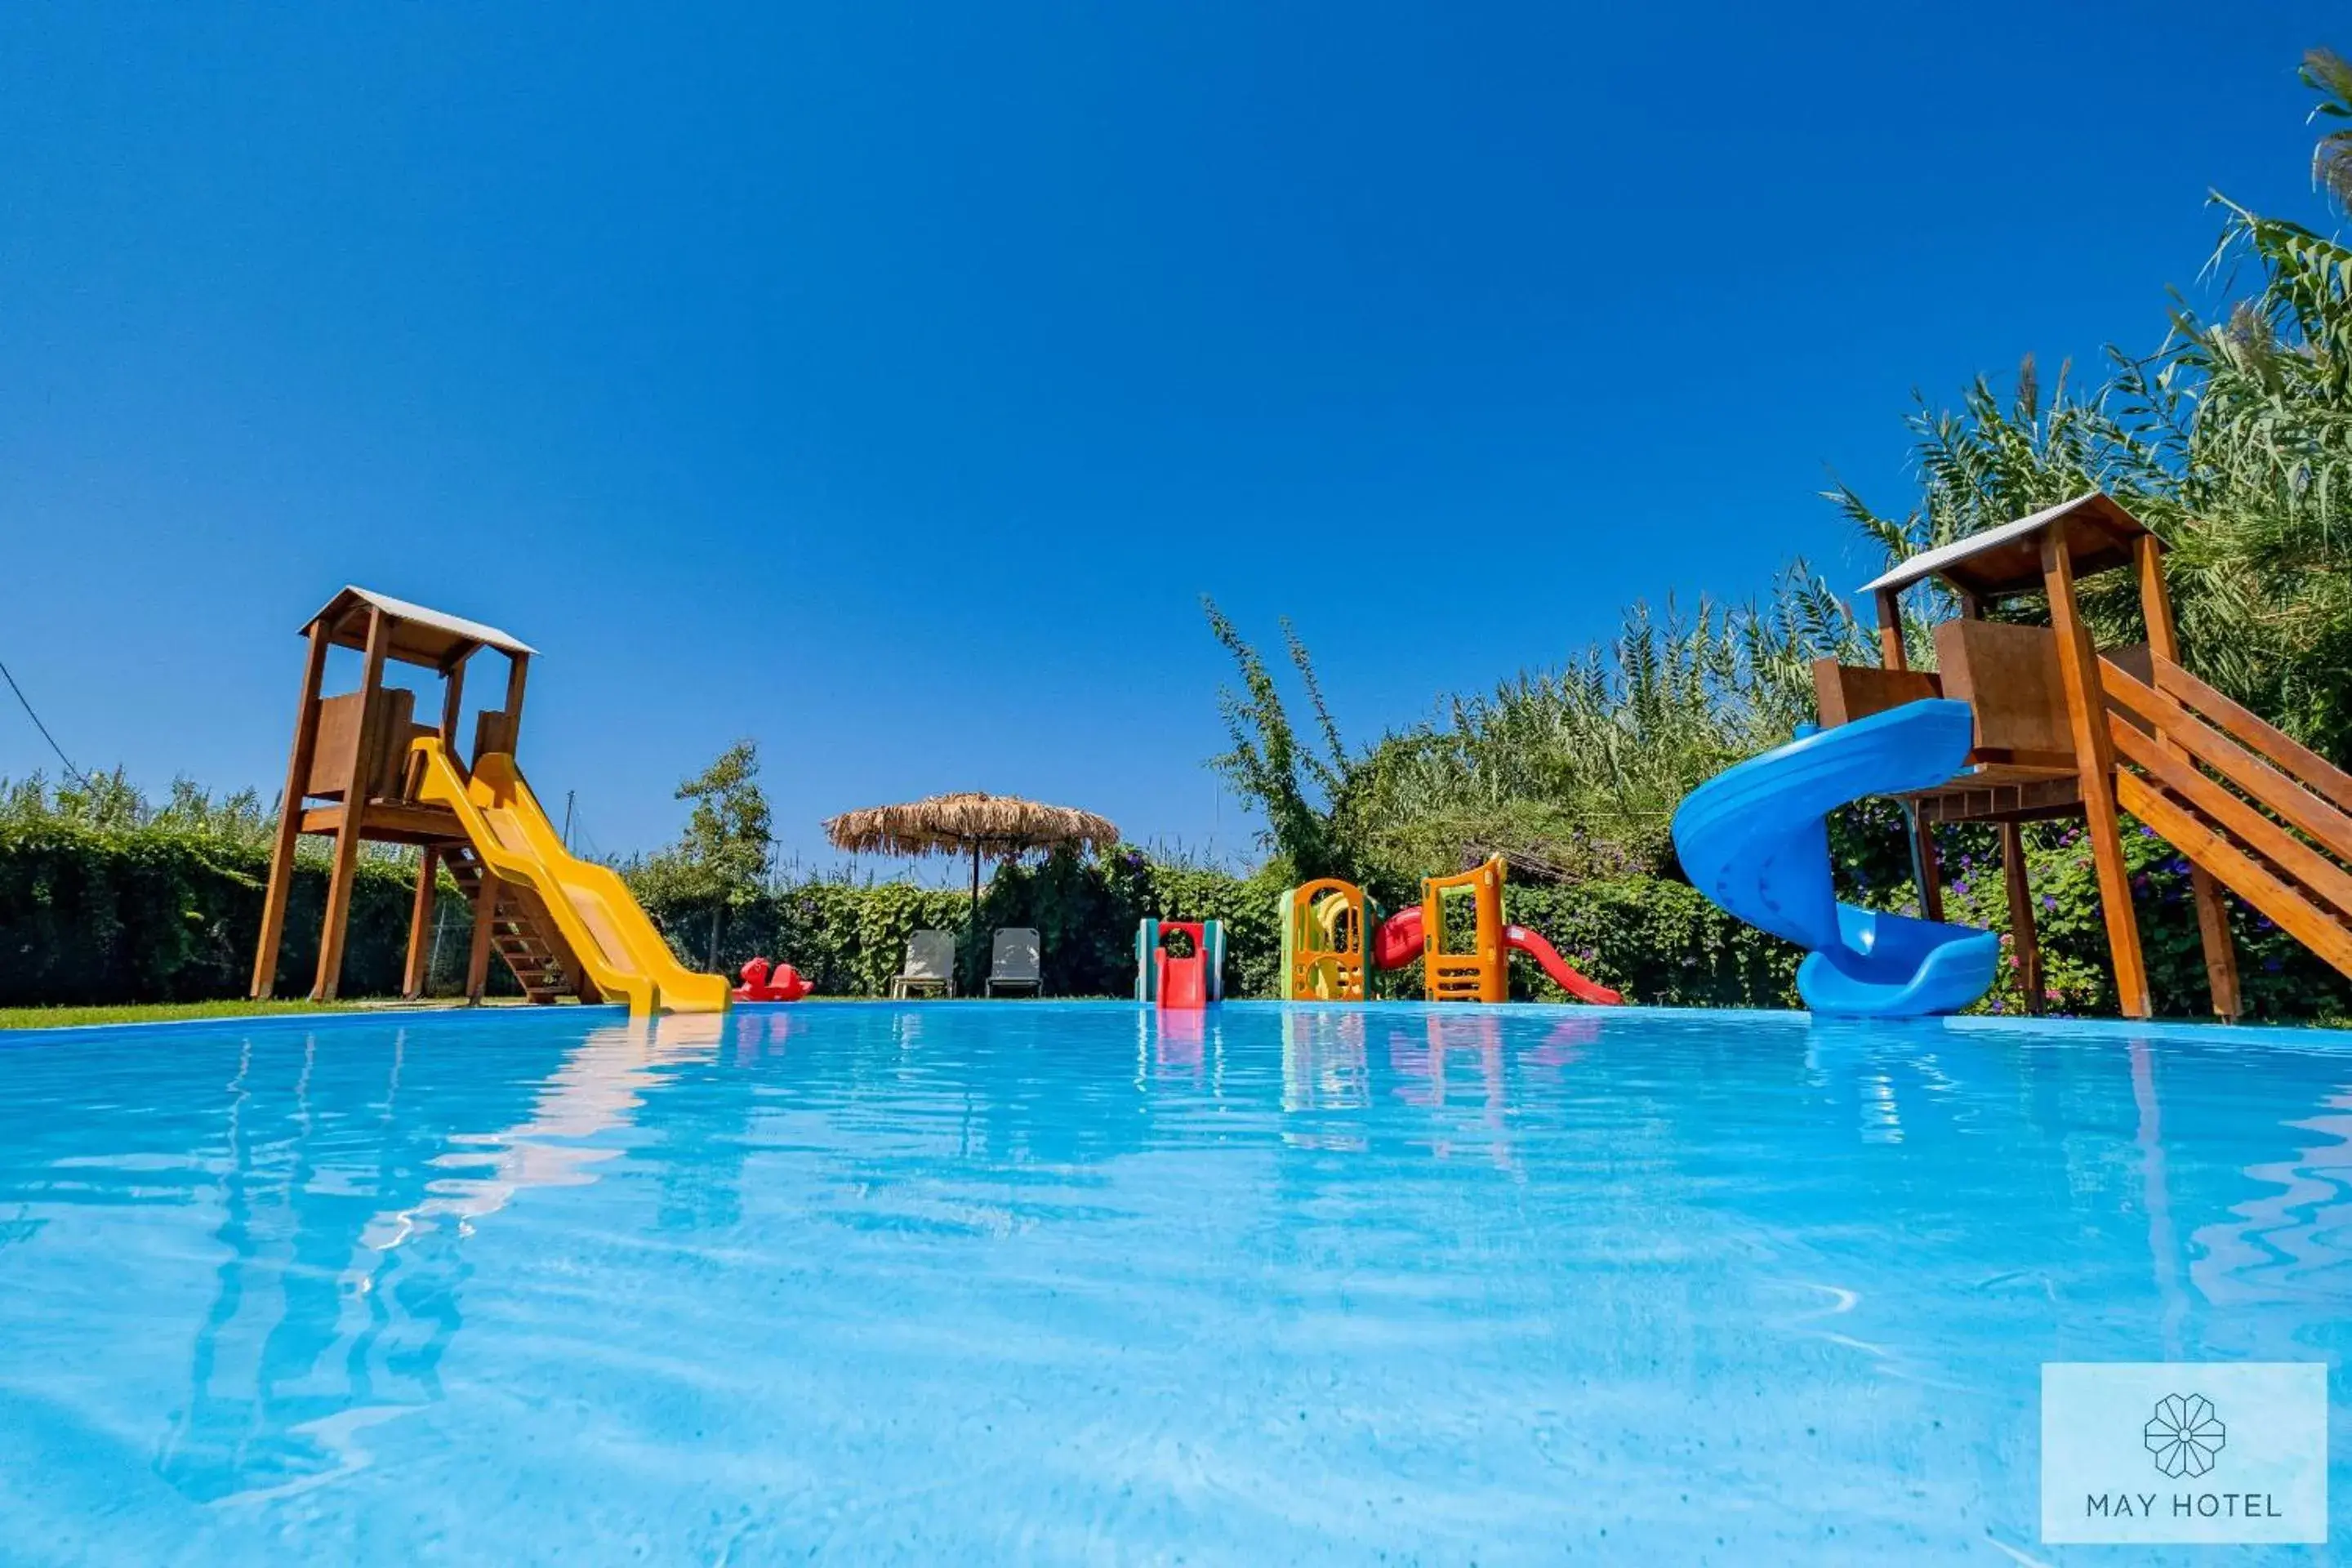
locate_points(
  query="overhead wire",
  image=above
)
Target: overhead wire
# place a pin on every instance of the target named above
(26, 703)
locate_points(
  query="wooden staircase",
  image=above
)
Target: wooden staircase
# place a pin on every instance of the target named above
(521, 932)
(2265, 815)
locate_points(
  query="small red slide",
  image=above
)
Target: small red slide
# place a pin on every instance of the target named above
(1563, 975)
(1397, 943)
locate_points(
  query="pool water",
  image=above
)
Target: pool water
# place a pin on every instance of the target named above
(1072, 1283)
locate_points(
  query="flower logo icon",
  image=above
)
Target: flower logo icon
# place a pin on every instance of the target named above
(2184, 1434)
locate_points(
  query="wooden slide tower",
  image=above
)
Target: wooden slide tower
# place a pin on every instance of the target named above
(2066, 728)
(351, 778)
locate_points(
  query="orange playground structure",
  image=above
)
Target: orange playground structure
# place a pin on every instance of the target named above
(361, 770)
(1475, 972)
(1330, 944)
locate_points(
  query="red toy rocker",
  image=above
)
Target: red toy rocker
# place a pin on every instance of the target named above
(782, 983)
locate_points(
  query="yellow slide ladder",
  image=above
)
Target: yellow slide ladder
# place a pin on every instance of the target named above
(607, 933)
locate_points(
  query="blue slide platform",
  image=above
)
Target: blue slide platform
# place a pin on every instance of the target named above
(1755, 838)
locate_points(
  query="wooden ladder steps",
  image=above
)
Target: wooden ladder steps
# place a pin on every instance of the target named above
(516, 931)
(2247, 803)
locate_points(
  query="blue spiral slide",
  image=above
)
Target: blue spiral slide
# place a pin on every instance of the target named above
(1755, 838)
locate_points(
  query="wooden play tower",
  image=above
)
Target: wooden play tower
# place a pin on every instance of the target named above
(353, 778)
(2064, 729)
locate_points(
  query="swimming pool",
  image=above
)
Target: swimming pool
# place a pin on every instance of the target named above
(961, 1282)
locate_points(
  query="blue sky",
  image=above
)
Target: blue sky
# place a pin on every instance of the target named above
(885, 384)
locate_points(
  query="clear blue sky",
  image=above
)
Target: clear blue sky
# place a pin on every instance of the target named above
(887, 384)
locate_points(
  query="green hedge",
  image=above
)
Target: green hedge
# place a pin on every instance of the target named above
(93, 916)
(2279, 979)
(149, 914)
(850, 938)
(1657, 940)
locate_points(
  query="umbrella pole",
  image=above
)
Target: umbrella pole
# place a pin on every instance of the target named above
(975, 887)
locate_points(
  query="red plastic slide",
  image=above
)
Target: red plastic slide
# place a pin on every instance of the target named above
(1397, 943)
(1183, 982)
(1563, 975)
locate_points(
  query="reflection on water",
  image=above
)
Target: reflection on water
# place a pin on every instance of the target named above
(595, 1090)
(307, 1322)
(329, 1317)
(2287, 1242)
(2162, 1249)
(1178, 1046)
(763, 1031)
(1423, 1059)
(1324, 1076)
(1250, 1284)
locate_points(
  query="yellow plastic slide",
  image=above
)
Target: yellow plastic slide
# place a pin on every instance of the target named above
(607, 932)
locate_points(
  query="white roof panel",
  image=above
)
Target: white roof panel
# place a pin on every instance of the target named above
(418, 615)
(1928, 562)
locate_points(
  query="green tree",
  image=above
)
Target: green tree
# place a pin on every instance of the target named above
(1575, 772)
(719, 865)
(2233, 441)
(1295, 787)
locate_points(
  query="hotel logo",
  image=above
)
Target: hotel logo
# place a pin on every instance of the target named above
(2137, 1452)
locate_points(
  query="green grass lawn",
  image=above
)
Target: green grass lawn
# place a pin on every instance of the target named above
(169, 1012)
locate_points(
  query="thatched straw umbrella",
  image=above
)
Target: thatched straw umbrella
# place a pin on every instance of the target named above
(1000, 826)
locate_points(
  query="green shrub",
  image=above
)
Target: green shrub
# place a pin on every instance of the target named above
(156, 913)
(1657, 940)
(2279, 979)
(162, 912)
(849, 938)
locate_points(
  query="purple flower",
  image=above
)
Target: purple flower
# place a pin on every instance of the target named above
(2048, 900)
(1960, 888)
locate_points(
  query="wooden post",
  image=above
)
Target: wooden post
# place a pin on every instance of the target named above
(2213, 934)
(1890, 629)
(486, 892)
(1971, 607)
(517, 667)
(2212, 914)
(1925, 869)
(2024, 942)
(347, 835)
(453, 701)
(420, 963)
(420, 919)
(478, 958)
(972, 919)
(2155, 598)
(289, 819)
(2094, 758)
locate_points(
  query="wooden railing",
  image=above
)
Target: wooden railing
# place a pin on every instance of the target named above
(2267, 817)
